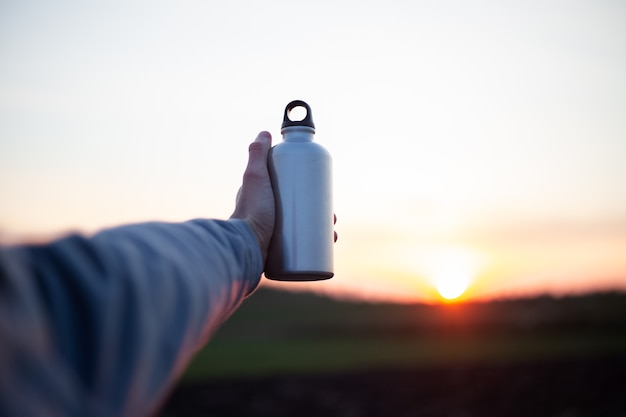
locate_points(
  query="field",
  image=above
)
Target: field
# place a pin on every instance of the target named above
(286, 354)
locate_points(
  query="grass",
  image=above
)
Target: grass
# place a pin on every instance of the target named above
(282, 333)
(231, 359)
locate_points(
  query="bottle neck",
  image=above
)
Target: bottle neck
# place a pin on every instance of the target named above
(298, 134)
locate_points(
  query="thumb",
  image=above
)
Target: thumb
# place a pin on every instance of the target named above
(257, 154)
(255, 200)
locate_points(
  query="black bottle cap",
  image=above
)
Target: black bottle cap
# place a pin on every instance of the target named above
(308, 119)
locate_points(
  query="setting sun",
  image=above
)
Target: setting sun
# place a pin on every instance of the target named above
(452, 270)
(452, 283)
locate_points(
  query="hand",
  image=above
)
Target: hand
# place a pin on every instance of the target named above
(255, 199)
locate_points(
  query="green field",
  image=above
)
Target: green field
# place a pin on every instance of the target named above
(280, 333)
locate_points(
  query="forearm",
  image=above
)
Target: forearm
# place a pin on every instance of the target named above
(126, 309)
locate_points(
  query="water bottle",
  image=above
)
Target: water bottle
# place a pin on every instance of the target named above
(301, 248)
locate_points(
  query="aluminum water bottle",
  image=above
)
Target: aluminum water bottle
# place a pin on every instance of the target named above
(301, 248)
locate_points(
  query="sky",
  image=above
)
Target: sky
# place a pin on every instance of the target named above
(479, 142)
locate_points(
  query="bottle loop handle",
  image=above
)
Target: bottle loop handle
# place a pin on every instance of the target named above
(308, 119)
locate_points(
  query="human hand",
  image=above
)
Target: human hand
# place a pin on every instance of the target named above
(255, 199)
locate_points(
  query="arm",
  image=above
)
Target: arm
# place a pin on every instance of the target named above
(102, 326)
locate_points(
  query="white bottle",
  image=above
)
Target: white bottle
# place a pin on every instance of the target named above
(301, 248)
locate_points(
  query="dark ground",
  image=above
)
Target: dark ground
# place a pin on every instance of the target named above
(563, 388)
(300, 355)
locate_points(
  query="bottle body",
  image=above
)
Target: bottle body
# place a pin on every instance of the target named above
(302, 244)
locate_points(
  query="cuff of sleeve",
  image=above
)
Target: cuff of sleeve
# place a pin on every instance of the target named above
(252, 274)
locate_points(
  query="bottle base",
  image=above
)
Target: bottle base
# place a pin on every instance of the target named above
(299, 276)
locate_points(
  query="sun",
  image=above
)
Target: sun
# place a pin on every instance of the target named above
(452, 270)
(452, 281)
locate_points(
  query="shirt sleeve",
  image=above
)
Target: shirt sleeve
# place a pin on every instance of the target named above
(102, 326)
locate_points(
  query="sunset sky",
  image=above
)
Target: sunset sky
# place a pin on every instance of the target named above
(480, 142)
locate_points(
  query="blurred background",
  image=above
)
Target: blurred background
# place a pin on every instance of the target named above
(298, 354)
(478, 147)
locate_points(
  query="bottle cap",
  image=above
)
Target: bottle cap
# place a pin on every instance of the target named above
(307, 121)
